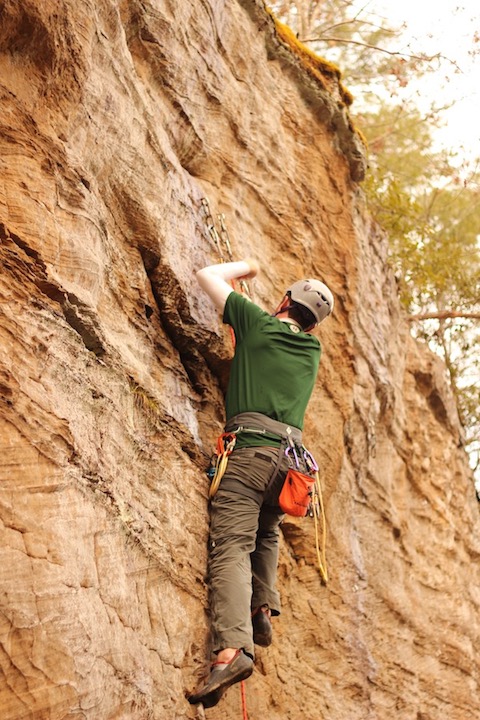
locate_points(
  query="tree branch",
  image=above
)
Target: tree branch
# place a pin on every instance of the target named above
(444, 315)
(423, 58)
(355, 21)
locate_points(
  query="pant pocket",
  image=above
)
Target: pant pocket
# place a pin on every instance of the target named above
(251, 467)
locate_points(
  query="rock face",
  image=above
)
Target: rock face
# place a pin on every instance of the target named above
(117, 119)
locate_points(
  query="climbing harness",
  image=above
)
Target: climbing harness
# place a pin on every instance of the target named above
(225, 445)
(291, 447)
(301, 493)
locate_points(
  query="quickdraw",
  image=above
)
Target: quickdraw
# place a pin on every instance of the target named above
(244, 289)
(225, 444)
(211, 229)
(221, 240)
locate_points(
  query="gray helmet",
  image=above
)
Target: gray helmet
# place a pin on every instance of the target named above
(314, 295)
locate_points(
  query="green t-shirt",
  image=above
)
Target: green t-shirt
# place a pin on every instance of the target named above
(274, 368)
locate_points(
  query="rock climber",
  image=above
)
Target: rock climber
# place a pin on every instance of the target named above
(272, 376)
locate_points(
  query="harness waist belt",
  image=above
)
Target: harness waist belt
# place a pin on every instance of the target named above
(257, 422)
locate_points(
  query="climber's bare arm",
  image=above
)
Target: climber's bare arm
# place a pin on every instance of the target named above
(214, 279)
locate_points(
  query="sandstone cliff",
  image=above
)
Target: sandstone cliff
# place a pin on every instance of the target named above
(117, 119)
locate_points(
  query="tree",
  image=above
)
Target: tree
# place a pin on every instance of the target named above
(359, 41)
(428, 204)
(431, 211)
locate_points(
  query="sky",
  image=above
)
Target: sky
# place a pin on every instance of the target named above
(448, 27)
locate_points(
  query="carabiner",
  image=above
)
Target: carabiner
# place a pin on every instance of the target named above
(310, 460)
(294, 452)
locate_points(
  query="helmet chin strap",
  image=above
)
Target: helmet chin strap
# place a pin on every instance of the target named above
(284, 306)
(283, 309)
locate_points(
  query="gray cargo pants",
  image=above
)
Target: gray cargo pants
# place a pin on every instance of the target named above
(243, 554)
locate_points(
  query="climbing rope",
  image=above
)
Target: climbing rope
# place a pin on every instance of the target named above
(318, 512)
(226, 441)
(244, 700)
(225, 444)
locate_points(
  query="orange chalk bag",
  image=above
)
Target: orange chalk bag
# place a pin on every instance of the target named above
(301, 495)
(296, 494)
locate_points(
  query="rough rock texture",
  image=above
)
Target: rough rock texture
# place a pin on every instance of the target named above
(117, 118)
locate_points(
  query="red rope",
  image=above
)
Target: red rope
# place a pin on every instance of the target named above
(244, 700)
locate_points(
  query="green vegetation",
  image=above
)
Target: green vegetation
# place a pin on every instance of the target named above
(427, 202)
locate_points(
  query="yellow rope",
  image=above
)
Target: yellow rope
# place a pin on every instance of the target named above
(220, 468)
(319, 514)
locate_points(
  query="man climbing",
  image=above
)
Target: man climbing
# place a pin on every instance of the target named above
(272, 377)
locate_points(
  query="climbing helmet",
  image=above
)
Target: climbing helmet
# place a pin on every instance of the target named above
(314, 295)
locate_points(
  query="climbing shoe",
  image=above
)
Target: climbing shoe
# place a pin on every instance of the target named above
(223, 675)
(262, 626)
